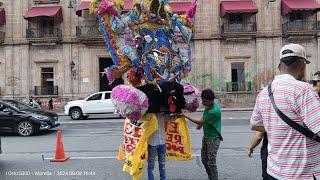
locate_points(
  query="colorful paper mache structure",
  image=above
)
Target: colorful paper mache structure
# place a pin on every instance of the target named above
(148, 43)
(150, 46)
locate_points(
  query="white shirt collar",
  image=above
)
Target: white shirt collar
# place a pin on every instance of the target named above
(284, 76)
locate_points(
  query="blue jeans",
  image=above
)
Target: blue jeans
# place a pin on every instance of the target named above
(161, 151)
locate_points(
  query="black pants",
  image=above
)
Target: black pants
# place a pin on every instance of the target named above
(264, 156)
(272, 178)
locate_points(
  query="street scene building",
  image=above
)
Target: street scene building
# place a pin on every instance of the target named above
(53, 48)
(189, 107)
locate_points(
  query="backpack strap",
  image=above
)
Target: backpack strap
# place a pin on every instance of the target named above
(307, 132)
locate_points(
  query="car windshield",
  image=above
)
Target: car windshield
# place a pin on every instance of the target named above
(19, 105)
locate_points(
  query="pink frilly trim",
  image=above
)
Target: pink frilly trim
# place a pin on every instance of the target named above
(129, 101)
(192, 97)
(108, 7)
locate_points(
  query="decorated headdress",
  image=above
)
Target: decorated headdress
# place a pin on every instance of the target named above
(148, 40)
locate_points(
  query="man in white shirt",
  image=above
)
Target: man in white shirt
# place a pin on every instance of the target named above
(157, 146)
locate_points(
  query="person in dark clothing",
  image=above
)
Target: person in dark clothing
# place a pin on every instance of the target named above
(50, 104)
(259, 136)
(316, 83)
(172, 96)
(153, 93)
(31, 101)
(39, 102)
(168, 97)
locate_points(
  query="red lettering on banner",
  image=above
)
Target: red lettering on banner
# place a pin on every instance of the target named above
(127, 128)
(132, 130)
(174, 143)
(169, 137)
(130, 140)
(136, 132)
(178, 138)
(143, 156)
(175, 148)
(173, 127)
(131, 137)
(181, 150)
(129, 148)
(168, 146)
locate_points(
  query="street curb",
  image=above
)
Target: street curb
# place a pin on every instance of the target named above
(230, 109)
(236, 109)
(201, 110)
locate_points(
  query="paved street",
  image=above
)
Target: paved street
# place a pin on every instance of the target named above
(92, 145)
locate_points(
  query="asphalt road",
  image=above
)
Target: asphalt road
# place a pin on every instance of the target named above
(92, 145)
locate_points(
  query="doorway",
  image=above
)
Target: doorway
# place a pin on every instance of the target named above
(104, 83)
(47, 81)
(238, 76)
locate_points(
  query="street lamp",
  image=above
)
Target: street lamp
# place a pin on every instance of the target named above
(72, 66)
(72, 3)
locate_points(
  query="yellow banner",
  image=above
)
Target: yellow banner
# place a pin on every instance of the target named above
(136, 136)
(137, 133)
(178, 140)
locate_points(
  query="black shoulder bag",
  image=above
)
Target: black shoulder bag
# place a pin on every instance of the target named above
(305, 131)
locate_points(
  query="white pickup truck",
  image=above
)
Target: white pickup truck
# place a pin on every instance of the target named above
(97, 103)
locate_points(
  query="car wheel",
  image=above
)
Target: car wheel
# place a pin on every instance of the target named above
(85, 117)
(76, 114)
(25, 128)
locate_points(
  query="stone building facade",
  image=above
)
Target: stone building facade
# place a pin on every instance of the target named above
(238, 54)
(235, 52)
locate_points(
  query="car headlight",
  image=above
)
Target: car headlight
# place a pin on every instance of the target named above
(40, 117)
(44, 123)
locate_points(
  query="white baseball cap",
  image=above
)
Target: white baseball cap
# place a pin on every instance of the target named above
(293, 50)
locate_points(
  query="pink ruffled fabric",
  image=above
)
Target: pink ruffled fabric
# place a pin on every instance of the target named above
(192, 100)
(129, 102)
(191, 12)
(108, 73)
(108, 7)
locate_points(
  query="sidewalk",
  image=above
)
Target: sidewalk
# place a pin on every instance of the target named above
(230, 109)
(237, 109)
(201, 110)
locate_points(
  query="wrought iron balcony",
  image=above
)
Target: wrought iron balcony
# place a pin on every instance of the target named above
(88, 32)
(237, 86)
(300, 28)
(2, 36)
(44, 35)
(39, 90)
(239, 30)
